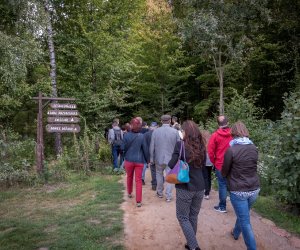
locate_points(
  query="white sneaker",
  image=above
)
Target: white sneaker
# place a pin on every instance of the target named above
(206, 197)
(168, 200)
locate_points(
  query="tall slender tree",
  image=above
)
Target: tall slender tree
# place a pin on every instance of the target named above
(48, 10)
(217, 31)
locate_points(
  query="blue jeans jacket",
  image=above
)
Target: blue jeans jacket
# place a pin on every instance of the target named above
(134, 147)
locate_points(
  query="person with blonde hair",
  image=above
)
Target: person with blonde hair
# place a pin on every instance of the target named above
(240, 170)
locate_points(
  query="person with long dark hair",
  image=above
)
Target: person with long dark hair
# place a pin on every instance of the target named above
(189, 196)
(240, 170)
(134, 154)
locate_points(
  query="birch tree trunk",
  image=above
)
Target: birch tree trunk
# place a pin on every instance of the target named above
(220, 73)
(58, 144)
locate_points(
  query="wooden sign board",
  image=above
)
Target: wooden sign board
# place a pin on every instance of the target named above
(63, 112)
(63, 128)
(59, 119)
(63, 106)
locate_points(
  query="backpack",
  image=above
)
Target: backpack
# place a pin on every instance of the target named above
(118, 137)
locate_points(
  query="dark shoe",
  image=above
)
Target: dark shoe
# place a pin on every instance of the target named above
(138, 204)
(233, 235)
(130, 196)
(220, 209)
(159, 195)
(187, 247)
(143, 182)
(153, 188)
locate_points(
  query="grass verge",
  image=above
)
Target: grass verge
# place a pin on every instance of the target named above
(81, 213)
(271, 209)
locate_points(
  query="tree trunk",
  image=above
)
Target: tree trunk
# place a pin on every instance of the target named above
(221, 101)
(220, 74)
(58, 144)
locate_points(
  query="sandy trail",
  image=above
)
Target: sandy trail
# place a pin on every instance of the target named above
(154, 226)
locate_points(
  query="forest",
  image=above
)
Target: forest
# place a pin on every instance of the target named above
(190, 58)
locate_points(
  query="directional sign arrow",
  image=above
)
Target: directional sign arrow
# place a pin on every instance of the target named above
(60, 119)
(63, 128)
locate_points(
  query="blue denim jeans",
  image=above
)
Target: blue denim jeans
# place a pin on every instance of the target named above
(242, 205)
(115, 154)
(222, 189)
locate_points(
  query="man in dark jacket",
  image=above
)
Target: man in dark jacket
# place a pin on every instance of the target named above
(217, 146)
(147, 138)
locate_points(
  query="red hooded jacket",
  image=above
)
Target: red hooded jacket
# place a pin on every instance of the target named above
(217, 146)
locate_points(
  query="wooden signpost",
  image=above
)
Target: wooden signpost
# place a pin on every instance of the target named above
(62, 119)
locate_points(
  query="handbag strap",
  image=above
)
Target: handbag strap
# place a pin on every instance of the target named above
(182, 148)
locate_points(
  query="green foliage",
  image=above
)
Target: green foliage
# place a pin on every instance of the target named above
(286, 154)
(87, 153)
(20, 52)
(17, 159)
(270, 208)
(105, 152)
(159, 63)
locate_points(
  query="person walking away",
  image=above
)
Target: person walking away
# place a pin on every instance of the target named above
(208, 166)
(125, 128)
(135, 152)
(162, 144)
(189, 196)
(115, 139)
(177, 126)
(147, 138)
(240, 170)
(144, 129)
(217, 145)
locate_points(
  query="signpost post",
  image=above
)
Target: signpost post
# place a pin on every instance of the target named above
(62, 119)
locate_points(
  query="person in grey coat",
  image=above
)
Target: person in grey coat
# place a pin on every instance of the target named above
(162, 144)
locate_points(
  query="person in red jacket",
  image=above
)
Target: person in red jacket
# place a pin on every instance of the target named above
(217, 146)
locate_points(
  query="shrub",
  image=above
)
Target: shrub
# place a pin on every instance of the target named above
(87, 153)
(17, 159)
(287, 152)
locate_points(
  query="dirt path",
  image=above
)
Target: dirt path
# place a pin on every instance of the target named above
(154, 226)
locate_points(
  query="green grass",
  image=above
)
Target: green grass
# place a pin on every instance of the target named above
(271, 209)
(81, 213)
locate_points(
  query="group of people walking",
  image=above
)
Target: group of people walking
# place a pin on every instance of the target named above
(228, 150)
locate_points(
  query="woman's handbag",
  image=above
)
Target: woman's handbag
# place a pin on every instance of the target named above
(180, 173)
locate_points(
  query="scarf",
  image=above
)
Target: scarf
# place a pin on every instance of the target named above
(240, 141)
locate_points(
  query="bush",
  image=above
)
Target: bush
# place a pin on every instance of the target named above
(87, 153)
(287, 152)
(17, 159)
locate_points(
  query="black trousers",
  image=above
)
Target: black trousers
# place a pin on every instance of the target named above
(207, 179)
